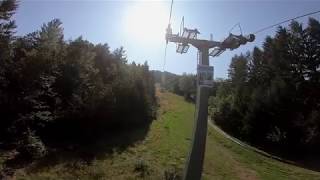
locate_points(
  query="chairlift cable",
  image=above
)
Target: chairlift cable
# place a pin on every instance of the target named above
(277, 24)
(181, 26)
(165, 50)
(170, 12)
(165, 57)
(240, 28)
(238, 24)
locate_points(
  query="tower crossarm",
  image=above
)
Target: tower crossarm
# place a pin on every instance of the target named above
(198, 43)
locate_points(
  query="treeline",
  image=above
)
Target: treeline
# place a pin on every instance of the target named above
(65, 90)
(272, 95)
(184, 85)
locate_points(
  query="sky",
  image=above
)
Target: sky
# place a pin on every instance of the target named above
(139, 26)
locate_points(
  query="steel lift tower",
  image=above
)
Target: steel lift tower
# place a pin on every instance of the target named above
(193, 169)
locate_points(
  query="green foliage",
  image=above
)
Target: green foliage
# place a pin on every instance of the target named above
(187, 85)
(165, 153)
(31, 147)
(184, 85)
(79, 89)
(7, 26)
(272, 96)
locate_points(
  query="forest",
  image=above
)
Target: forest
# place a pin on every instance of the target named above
(271, 98)
(54, 91)
(61, 98)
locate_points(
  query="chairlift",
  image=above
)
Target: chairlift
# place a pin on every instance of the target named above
(231, 42)
(216, 51)
(234, 41)
(182, 48)
(190, 33)
(187, 34)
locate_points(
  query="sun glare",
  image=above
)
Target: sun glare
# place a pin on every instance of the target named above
(146, 22)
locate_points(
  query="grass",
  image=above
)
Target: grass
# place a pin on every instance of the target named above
(165, 149)
(228, 160)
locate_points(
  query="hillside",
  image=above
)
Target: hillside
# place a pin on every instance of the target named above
(163, 153)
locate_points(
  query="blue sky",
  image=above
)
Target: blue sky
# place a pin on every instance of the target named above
(139, 26)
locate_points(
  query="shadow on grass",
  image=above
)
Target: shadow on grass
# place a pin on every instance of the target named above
(303, 157)
(83, 150)
(307, 158)
(310, 161)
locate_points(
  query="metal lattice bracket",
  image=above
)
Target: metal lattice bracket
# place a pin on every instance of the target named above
(190, 33)
(187, 34)
(182, 48)
(216, 51)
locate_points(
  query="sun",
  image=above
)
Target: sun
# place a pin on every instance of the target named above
(146, 21)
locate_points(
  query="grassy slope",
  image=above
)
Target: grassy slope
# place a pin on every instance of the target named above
(228, 160)
(166, 147)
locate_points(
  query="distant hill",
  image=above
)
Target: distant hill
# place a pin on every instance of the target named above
(158, 75)
(184, 84)
(168, 80)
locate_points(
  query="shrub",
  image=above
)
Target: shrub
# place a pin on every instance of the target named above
(31, 146)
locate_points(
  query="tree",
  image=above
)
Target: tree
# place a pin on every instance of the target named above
(76, 88)
(7, 25)
(273, 99)
(238, 70)
(187, 85)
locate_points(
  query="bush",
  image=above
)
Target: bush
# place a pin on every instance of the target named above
(31, 147)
